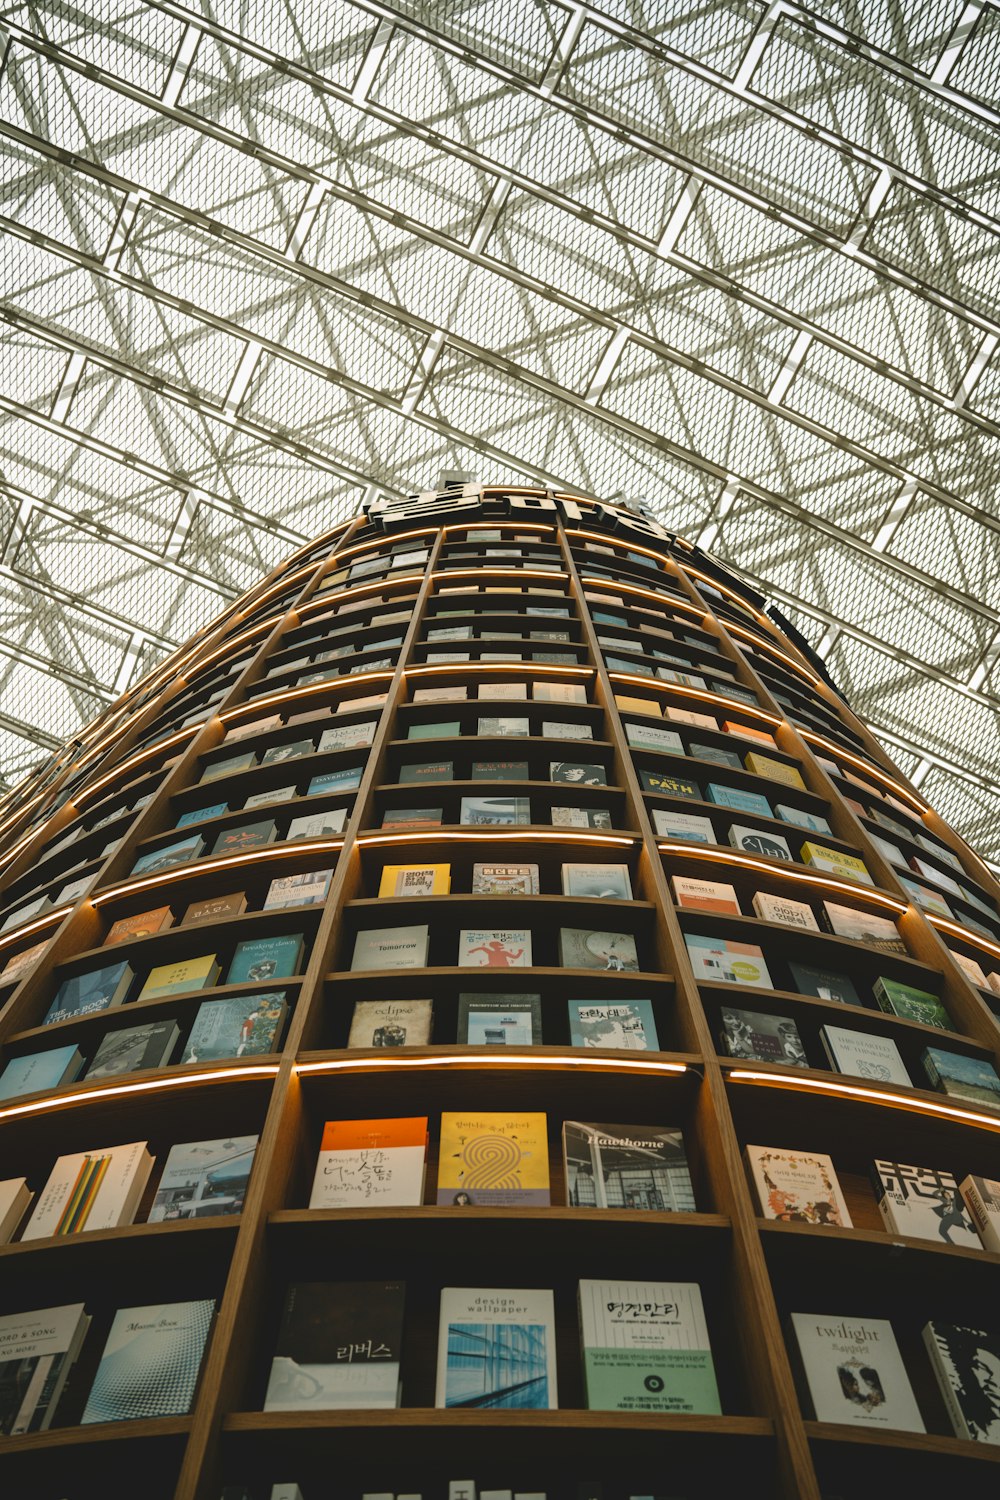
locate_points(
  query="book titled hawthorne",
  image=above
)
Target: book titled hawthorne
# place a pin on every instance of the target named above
(638, 1167)
(966, 1362)
(493, 1160)
(497, 1348)
(91, 1190)
(150, 1363)
(338, 1347)
(37, 1350)
(370, 1163)
(797, 1187)
(855, 1372)
(646, 1347)
(391, 948)
(202, 1179)
(923, 1202)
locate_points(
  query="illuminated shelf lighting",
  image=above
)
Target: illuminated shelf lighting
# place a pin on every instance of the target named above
(729, 593)
(702, 694)
(290, 695)
(136, 760)
(499, 525)
(359, 590)
(442, 575)
(265, 853)
(525, 668)
(748, 635)
(503, 1060)
(595, 536)
(976, 939)
(862, 765)
(501, 835)
(376, 545)
(48, 919)
(670, 600)
(151, 1085)
(797, 874)
(228, 646)
(866, 1095)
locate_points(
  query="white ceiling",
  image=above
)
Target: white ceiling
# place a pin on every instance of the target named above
(264, 260)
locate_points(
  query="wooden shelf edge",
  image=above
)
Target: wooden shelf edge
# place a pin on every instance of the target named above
(436, 1417)
(914, 1442)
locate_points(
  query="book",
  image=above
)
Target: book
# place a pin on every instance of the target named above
(966, 1363)
(39, 1349)
(370, 1163)
(444, 730)
(724, 961)
(835, 861)
(774, 770)
(415, 880)
(391, 1023)
(332, 783)
(688, 716)
(511, 692)
(854, 1371)
(477, 811)
(257, 959)
(500, 770)
(670, 786)
(913, 1004)
(427, 770)
(622, 1025)
(637, 1167)
(239, 1026)
(578, 773)
(25, 913)
(862, 926)
(150, 1363)
(716, 755)
(690, 827)
(824, 984)
(738, 800)
(754, 1035)
(504, 880)
(559, 729)
(134, 1048)
(233, 905)
(445, 693)
(308, 889)
(143, 924)
(646, 1348)
(413, 817)
(705, 895)
(938, 877)
(203, 1179)
(181, 852)
(493, 1160)
(749, 732)
(274, 794)
(962, 1077)
(982, 1199)
(391, 948)
(784, 911)
(91, 1190)
(40, 1072)
(15, 1195)
(797, 1187)
(559, 692)
(27, 957)
(94, 990)
(292, 750)
(969, 967)
(650, 737)
(863, 1055)
(180, 978)
(496, 1348)
(246, 836)
(924, 1202)
(499, 1020)
(606, 882)
(508, 948)
(582, 948)
(228, 767)
(811, 821)
(757, 841)
(580, 817)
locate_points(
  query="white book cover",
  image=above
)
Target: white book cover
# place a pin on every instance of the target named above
(446, 693)
(391, 948)
(924, 1202)
(265, 799)
(504, 880)
(855, 1372)
(317, 825)
(646, 1347)
(91, 1190)
(310, 889)
(150, 1363)
(348, 736)
(982, 1199)
(370, 1164)
(797, 1187)
(15, 1195)
(36, 1351)
(503, 691)
(678, 825)
(559, 692)
(555, 729)
(648, 737)
(966, 1362)
(863, 1055)
(789, 913)
(688, 716)
(609, 882)
(515, 1370)
(503, 728)
(484, 948)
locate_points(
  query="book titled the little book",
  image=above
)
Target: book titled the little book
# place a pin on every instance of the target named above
(391, 948)
(512, 1333)
(91, 1190)
(864, 1055)
(722, 960)
(582, 948)
(855, 1372)
(261, 959)
(203, 1179)
(797, 1187)
(504, 880)
(753, 1035)
(982, 1199)
(415, 880)
(636, 1167)
(239, 1026)
(607, 882)
(623, 1025)
(508, 948)
(38, 1350)
(970, 1078)
(97, 989)
(965, 1362)
(370, 1163)
(646, 1348)
(499, 1020)
(150, 1363)
(391, 1023)
(493, 1160)
(924, 1202)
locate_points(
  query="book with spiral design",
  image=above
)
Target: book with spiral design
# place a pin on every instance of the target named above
(493, 1160)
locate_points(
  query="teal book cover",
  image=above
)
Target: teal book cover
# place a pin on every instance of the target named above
(97, 989)
(625, 1025)
(202, 814)
(38, 1072)
(730, 796)
(259, 959)
(244, 1026)
(150, 1363)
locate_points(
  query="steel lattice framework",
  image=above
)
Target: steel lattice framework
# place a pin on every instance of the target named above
(264, 259)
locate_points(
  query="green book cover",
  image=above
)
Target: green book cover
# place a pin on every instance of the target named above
(449, 729)
(912, 1004)
(240, 1026)
(265, 958)
(646, 1348)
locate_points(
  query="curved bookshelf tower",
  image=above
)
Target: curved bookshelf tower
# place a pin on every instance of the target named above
(537, 737)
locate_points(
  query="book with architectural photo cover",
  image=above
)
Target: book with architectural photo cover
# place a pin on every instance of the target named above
(513, 1331)
(499, 1020)
(203, 1179)
(39, 1348)
(635, 1167)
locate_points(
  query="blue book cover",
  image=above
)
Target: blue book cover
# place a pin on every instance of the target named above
(626, 1025)
(150, 1363)
(200, 814)
(730, 796)
(265, 958)
(971, 1078)
(165, 858)
(97, 989)
(39, 1072)
(244, 1026)
(335, 781)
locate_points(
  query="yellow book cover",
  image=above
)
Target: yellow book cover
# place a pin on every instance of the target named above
(638, 706)
(176, 979)
(774, 770)
(835, 861)
(491, 1160)
(415, 880)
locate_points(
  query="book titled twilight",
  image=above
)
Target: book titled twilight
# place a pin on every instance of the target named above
(338, 1347)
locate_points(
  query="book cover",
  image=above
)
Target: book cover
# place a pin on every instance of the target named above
(133, 1048)
(583, 948)
(37, 1350)
(577, 773)
(427, 770)
(689, 827)
(18, 962)
(688, 716)
(245, 836)
(825, 984)
(724, 961)
(415, 880)
(961, 1077)
(97, 989)
(504, 880)
(40, 1072)
(499, 1020)
(559, 729)
(240, 1026)
(273, 794)
(643, 1168)
(969, 966)
(811, 821)
(559, 692)
(169, 855)
(493, 1160)
(738, 800)
(180, 978)
(924, 1202)
(413, 817)
(500, 770)
(862, 926)
(292, 750)
(232, 905)
(715, 755)
(496, 1349)
(391, 1023)
(580, 817)
(966, 1362)
(607, 882)
(91, 1190)
(757, 841)
(855, 1372)
(508, 948)
(203, 1179)
(332, 783)
(370, 1163)
(150, 1363)
(391, 948)
(650, 737)
(446, 693)
(835, 862)
(913, 1004)
(670, 786)
(622, 1025)
(257, 959)
(503, 727)
(511, 692)
(228, 767)
(308, 889)
(501, 811)
(864, 1055)
(797, 1187)
(774, 770)
(785, 912)
(444, 730)
(15, 1195)
(982, 1199)
(143, 924)
(646, 1348)
(759, 1037)
(749, 732)
(705, 895)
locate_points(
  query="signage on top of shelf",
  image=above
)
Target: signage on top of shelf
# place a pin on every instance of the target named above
(516, 505)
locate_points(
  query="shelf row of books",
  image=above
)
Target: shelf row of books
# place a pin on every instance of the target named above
(455, 1489)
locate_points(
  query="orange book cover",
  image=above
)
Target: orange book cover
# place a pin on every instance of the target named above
(141, 925)
(747, 732)
(371, 1135)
